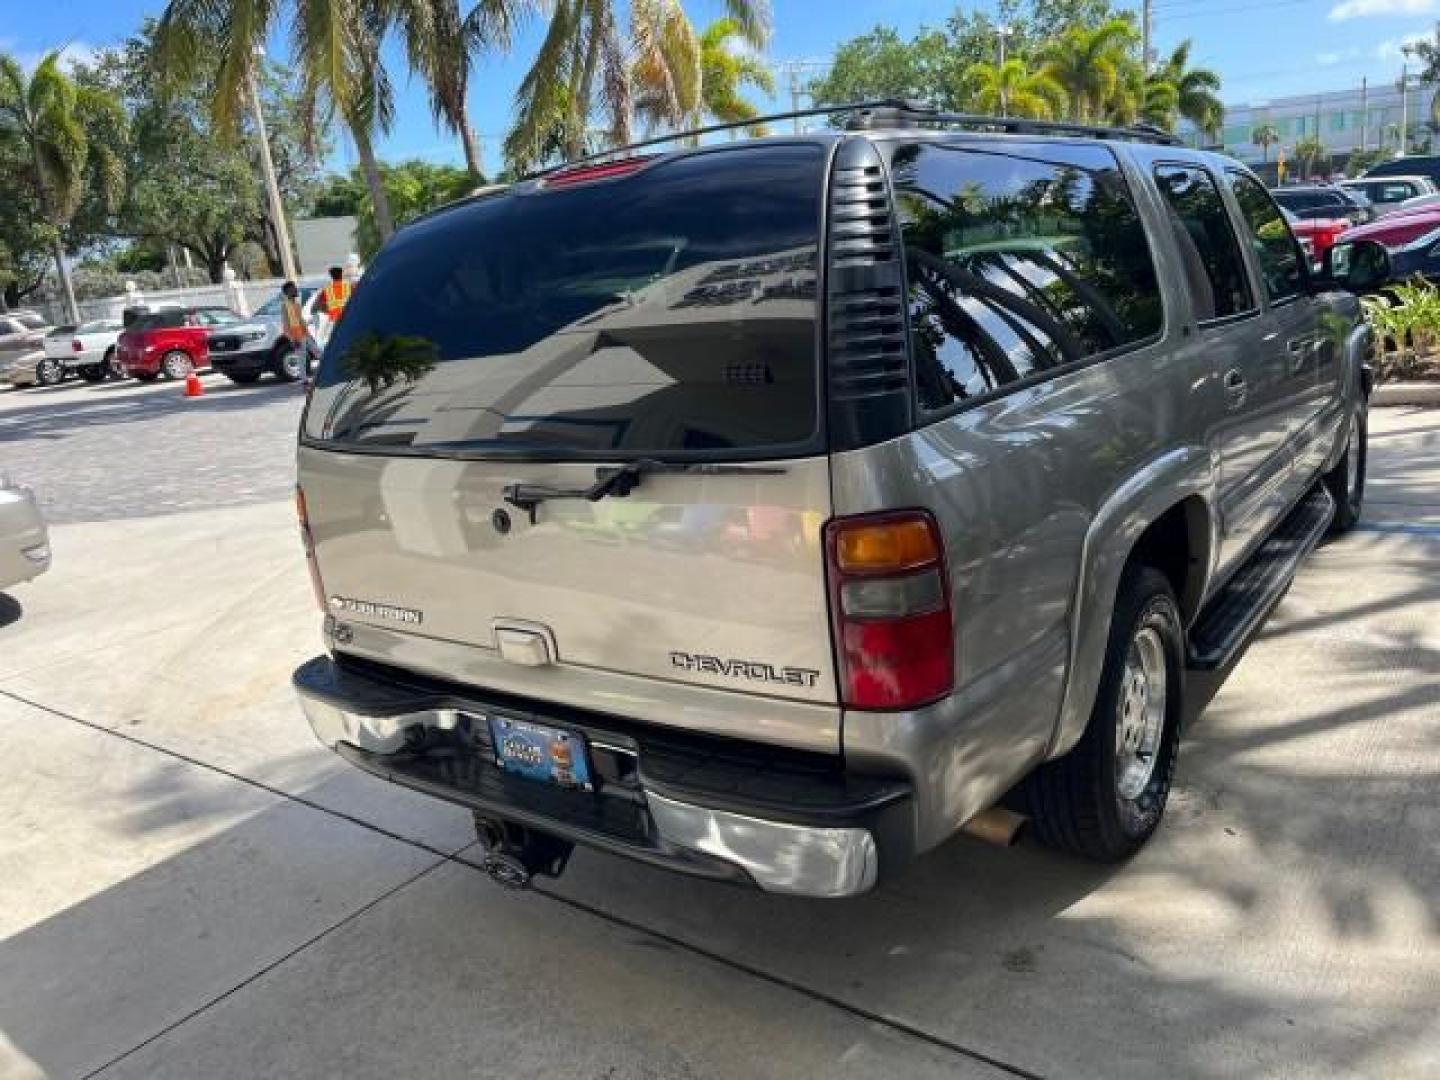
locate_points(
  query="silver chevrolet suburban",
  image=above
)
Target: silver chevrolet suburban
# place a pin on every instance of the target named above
(771, 510)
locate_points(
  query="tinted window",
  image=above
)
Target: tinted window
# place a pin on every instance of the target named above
(1214, 267)
(167, 319)
(1282, 265)
(1019, 260)
(217, 316)
(663, 312)
(1298, 200)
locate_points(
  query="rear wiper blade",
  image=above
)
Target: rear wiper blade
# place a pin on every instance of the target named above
(620, 481)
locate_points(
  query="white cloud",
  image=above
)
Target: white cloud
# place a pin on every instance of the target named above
(1394, 48)
(1364, 9)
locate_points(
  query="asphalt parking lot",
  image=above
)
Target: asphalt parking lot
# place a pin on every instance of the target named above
(190, 887)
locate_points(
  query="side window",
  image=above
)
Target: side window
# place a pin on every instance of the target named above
(1282, 265)
(1020, 258)
(1214, 267)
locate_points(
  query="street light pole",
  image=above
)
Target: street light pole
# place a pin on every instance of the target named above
(272, 186)
(1404, 110)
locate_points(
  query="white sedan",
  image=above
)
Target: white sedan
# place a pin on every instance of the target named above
(88, 349)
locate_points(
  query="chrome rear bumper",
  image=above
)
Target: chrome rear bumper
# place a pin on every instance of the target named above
(826, 843)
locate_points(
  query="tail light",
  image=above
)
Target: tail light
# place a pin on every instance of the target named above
(308, 541)
(76, 346)
(890, 602)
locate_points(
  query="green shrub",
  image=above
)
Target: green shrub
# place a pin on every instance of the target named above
(1407, 329)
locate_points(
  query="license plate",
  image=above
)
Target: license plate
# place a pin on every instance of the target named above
(540, 752)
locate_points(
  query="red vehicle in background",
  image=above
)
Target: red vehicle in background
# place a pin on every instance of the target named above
(171, 342)
(1316, 235)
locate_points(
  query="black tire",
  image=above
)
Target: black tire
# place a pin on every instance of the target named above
(1076, 803)
(147, 376)
(244, 378)
(93, 373)
(49, 372)
(289, 364)
(1346, 480)
(176, 364)
(112, 369)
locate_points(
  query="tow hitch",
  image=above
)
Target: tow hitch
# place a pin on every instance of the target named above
(514, 854)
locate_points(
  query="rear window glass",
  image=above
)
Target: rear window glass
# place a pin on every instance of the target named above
(160, 320)
(1021, 258)
(668, 312)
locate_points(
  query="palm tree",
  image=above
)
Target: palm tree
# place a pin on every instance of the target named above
(441, 40)
(54, 120)
(1265, 136)
(1091, 65)
(584, 63)
(727, 66)
(1012, 89)
(335, 44)
(1309, 152)
(1197, 90)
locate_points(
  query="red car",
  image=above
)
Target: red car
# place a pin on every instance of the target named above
(1399, 229)
(171, 342)
(1316, 235)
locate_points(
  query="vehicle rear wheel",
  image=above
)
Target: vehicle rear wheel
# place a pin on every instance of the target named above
(1346, 480)
(289, 364)
(111, 366)
(1104, 798)
(176, 364)
(93, 373)
(50, 372)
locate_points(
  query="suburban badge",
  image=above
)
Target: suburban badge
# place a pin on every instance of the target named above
(377, 611)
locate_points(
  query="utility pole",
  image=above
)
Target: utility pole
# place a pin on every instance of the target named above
(1364, 115)
(1003, 31)
(1146, 14)
(272, 186)
(1404, 111)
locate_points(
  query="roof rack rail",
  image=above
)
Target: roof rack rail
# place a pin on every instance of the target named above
(883, 113)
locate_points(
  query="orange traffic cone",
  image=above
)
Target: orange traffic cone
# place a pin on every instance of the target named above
(193, 386)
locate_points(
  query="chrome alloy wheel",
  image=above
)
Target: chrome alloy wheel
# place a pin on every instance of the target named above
(1141, 723)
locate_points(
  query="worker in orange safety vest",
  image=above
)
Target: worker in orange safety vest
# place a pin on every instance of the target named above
(335, 295)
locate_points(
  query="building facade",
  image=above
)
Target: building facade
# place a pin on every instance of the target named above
(1360, 118)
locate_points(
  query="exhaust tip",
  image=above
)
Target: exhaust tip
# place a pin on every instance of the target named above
(997, 826)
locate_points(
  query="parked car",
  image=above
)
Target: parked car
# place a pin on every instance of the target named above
(1316, 235)
(1386, 193)
(1325, 201)
(1411, 238)
(976, 442)
(25, 369)
(248, 349)
(1427, 165)
(22, 333)
(24, 542)
(87, 349)
(170, 342)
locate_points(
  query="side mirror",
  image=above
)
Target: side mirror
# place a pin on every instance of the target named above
(1362, 266)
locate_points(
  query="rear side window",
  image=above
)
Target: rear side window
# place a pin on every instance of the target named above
(1214, 267)
(667, 312)
(1020, 258)
(168, 319)
(1282, 264)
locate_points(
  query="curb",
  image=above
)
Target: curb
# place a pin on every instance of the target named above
(1406, 393)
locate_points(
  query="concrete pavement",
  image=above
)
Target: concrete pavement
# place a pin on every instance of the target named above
(189, 887)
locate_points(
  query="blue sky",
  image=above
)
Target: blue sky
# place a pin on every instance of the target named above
(1262, 48)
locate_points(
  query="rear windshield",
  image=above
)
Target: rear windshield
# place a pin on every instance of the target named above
(669, 312)
(160, 320)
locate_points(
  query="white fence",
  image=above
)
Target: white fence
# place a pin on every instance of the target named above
(242, 296)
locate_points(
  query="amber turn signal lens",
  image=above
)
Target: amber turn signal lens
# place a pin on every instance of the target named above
(885, 546)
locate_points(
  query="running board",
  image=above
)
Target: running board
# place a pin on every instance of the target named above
(1237, 610)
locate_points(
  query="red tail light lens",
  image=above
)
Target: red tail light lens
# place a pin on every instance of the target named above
(890, 601)
(302, 511)
(77, 347)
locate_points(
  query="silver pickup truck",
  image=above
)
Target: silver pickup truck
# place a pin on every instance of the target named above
(771, 510)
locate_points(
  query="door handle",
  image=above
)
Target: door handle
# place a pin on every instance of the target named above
(1235, 388)
(1300, 350)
